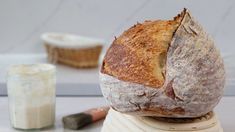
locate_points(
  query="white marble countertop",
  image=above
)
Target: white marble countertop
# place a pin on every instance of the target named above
(70, 81)
(65, 74)
(68, 105)
(64, 106)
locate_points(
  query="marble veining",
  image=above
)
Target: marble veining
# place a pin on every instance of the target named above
(223, 17)
(134, 13)
(27, 20)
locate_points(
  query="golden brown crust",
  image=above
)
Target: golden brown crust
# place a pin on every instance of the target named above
(194, 78)
(139, 54)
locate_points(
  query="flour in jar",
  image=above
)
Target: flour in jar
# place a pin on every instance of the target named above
(31, 94)
(32, 117)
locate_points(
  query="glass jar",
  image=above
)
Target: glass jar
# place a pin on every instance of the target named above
(31, 94)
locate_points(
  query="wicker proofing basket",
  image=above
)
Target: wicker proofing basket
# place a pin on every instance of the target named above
(79, 58)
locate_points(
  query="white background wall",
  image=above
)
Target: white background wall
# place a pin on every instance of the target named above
(23, 21)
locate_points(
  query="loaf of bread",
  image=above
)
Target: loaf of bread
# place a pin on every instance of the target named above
(165, 68)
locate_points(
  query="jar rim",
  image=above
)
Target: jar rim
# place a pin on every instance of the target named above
(29, 69)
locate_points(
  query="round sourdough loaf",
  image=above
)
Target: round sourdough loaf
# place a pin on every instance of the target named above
(165, 68)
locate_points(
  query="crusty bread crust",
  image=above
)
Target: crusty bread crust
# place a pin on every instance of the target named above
(139, 54)
(194, 78)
